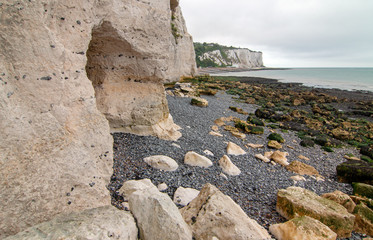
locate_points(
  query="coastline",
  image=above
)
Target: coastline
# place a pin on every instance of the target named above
(214, 70)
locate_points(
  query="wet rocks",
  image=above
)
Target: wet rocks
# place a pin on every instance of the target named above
(305, 228)
(195, 159)
(162, 162)
(215, 215)
(296, 201)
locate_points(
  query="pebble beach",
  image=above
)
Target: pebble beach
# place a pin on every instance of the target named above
(254, 189)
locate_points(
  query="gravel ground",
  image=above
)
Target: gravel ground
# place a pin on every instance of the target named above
(254, 189)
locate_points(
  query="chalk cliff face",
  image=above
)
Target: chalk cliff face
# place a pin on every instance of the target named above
(65, 66)
(239, 58)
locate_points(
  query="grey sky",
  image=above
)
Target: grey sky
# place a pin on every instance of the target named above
(290, 33)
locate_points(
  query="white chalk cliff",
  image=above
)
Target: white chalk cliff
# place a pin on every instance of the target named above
(238, 58)
(71, 71)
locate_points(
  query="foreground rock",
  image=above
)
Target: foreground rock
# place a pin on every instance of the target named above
(341, 198)
(364, 219)
(183, 196)
(355, 171)
(156, 215)
(215, 215)
(305, 228)
(296, 201)
(194, 159)
(228, 167)
(234, 149)
(162, 162)
(98, 223)
(65, 66)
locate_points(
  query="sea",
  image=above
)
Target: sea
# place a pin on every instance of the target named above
(352, 79)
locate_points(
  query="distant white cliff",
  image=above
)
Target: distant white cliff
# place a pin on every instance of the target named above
(214, 55)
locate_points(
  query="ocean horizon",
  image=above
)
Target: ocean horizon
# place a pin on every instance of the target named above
(345, 78)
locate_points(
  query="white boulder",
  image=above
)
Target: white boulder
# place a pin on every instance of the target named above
(162, 162)
(228, 167)
(194, 159)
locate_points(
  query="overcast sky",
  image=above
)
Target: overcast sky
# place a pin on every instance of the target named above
(290, 33)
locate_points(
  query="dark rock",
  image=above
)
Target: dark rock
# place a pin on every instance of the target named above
(264, 113)
(307, 142)
(255, 121)
(277, 137)
(355, 171)
(367, 151)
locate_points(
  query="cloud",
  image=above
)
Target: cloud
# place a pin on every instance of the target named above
(315, 32)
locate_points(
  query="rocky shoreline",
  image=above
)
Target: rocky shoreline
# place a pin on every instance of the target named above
(256, 187)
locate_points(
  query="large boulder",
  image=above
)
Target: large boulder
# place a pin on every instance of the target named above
(305, 228)
(156, 215)
(65, 66)
(214, 215)
(355, 171)
(99, 223)
(296, 201)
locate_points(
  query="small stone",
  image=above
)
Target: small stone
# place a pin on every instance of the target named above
(298, 178)
(194, 159)
(303, 157)
(176, 145)
(263, 158)
(280, 158)
(208, 152)
(223, 176)
(162, 162)
(252, 145)
(183, 196)
(234, 149)
(228, 167)
(274, 144)
(215, 128)
(212, 133)
(200, 102)
(302, 168)
(162, 187)
(351, 158)
(238, 134)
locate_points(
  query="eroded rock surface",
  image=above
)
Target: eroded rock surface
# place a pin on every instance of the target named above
(213, 214)
(99, 223)
(65, 66)
(156, 215)
(296, 201)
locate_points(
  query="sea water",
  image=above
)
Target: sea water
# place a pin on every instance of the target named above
(340, 78)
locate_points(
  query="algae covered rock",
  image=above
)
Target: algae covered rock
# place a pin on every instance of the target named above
(362, 189)
(277, 137)
(305, 228)
(355, 171)
(364, 219)
(200, 102)
(296, 201)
